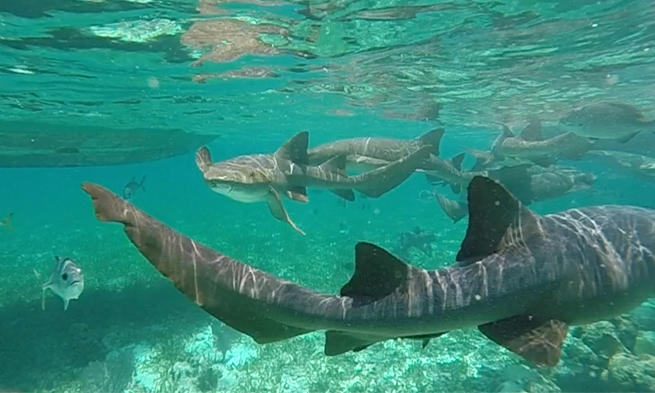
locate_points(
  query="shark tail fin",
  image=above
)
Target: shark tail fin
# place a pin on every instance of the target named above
(108, 206)
(7, 222)
(380, 181)
(203, 159)
(433, 138)
(336, 164)
(143, 182)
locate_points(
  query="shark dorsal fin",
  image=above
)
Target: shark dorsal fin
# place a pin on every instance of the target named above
(377, 274)
(456, 161)
(295, 149)
(336, 164)
(497, 221)
(433, 138)
(532, 132)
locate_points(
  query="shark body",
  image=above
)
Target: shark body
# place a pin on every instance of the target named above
(367, 154)
(531, 146)
(269, 177)
(544, 185)
(522, 279)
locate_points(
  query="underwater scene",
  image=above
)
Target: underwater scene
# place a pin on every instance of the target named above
(333, 196)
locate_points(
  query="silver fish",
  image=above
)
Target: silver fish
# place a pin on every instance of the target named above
(607, 120)
(133, 186)
(66, 281)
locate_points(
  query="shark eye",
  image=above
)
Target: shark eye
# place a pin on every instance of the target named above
(64, 276)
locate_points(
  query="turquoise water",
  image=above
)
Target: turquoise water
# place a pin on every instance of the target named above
(338, 70)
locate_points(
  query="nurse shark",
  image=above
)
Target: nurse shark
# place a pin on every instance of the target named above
(521, 278)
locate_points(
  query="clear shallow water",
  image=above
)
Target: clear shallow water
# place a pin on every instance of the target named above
(343, 70)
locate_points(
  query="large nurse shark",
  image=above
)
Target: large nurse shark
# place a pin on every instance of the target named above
(521, 278)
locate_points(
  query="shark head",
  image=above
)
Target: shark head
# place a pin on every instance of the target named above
(238, 179)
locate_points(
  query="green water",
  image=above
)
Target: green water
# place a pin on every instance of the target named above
(337, 69)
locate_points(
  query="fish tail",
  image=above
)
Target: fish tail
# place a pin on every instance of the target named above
(108, 206)
(143, 181)
(7, 222)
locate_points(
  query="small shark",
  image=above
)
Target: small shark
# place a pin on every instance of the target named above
(521, 278)
(366, 154)
(418, 239)
(543, 185)
(531, 146)
(267, 177)
(133, 186)
(513, 177)
(641, 167)
(66, 281)
(607, 120)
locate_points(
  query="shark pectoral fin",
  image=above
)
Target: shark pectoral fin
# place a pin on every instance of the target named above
(377, 274)
(433, 179)
(278, 211)
(433, 139)
(455, 188)
(298, 194)
(378, 182)
(540, 342)
(260, 328)
(295, 149)
(66, 301)
(497, 221)
(337, 343)
(348, 195)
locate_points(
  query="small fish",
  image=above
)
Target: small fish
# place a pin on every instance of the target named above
(7, 222)
(66, 281)
(607, 120)
(130, 188)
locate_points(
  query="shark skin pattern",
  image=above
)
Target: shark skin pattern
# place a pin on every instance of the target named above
(521, 278)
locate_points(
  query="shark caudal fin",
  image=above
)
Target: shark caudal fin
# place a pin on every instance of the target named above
(378, 182)
(203, 159)
(108, 206)
(433, 138)
(456, 211)
(498, 221)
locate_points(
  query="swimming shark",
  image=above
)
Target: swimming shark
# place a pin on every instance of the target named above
(542, 186)
(521, 278)
(267, 177)
(365, 154)
(531, 146)
(637, 165)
